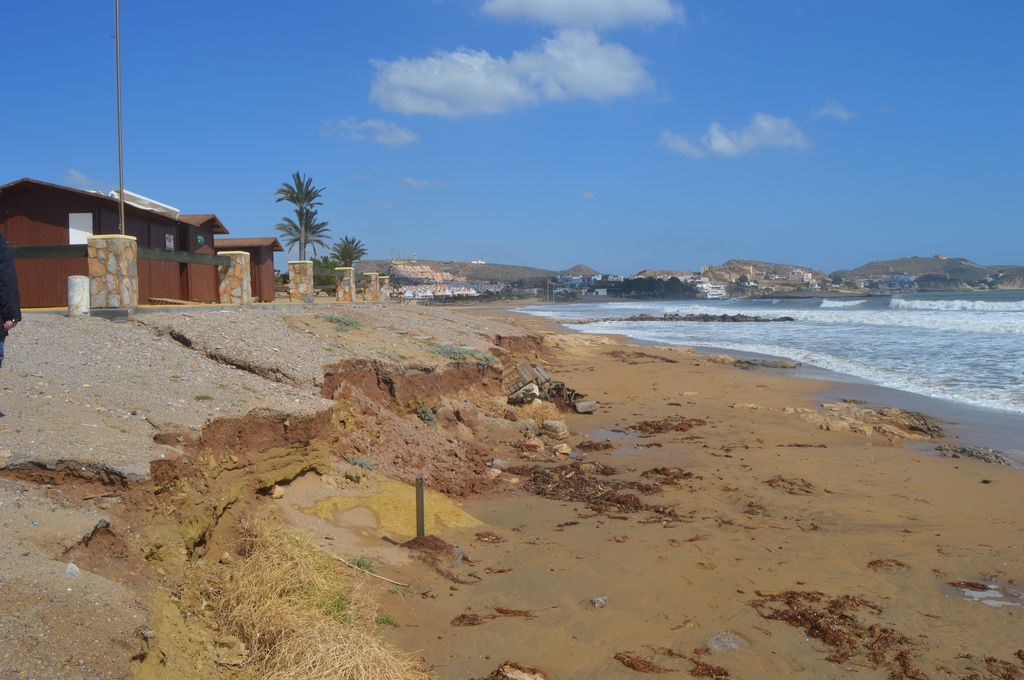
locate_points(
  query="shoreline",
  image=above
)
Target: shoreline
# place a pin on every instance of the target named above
(970, 424)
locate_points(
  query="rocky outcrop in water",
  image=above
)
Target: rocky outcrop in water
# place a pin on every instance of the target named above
(892, 423)
(981, 453)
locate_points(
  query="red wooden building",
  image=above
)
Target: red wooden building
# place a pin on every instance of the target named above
(261, 262)
(176, 253)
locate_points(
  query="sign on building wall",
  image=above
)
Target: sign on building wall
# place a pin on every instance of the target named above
(168, 241)
(79, 228)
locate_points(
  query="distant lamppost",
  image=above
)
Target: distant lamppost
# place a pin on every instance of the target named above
(120, 144)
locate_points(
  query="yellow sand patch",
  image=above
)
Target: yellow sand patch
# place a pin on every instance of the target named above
(394, 504)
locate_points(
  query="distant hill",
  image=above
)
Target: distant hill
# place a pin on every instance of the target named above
(581, 270)
(955, 271)
(730, 270)
(501, 273)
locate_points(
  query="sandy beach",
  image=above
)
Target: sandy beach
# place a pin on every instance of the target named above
(766, 505)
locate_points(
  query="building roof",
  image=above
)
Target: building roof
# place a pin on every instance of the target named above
(219, 228)
(203, 220)
(259, 242)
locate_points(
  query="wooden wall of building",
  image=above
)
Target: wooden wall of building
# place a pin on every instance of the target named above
(37, 214)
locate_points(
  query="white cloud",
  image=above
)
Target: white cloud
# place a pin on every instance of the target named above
(680, 144)
(80, 180)
(587, 13)
(762, 131)
(419, 183)
(588, 196)
(380, 131)
(573, 64)
(833, 109)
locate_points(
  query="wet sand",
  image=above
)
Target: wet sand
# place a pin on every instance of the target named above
(847, 516)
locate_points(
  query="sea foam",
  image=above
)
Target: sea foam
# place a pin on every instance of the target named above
(956, 305)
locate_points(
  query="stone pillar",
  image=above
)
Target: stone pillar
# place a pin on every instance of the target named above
(300, 281)
(346, 284)
(78, 296)
(113, 271)
(371, 291)
(385, 288)
(235, 278)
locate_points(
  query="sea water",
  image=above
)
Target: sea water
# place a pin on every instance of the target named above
(960, 347)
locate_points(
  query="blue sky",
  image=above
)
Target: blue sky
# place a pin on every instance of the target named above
(619, 133)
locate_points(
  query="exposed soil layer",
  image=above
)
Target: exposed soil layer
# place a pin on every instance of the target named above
(259, 430)
(371, 432)
(410, 384)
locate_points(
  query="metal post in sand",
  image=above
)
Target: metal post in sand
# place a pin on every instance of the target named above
(420, 531)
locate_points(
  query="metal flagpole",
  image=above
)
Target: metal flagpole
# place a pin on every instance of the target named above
(120, 144)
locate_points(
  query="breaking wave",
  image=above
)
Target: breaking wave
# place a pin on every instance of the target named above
(956, 305)
(840, 304)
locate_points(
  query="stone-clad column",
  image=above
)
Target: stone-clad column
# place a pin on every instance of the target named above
(235, 278)
(385, 287)
(371, 291)
(113, 271)
(300, 281)
(346, 284)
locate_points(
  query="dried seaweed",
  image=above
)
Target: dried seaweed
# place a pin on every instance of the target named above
(511, 670)
(635, 663)
(589, 445)
(970, 585)
(489, 537)
(578, 482)
(795, 487)
(887, 564)
(833, 620)
(668, 475)
(468, 619)
(669, 424)
(701, 669)
(436, 552)
(522, 613)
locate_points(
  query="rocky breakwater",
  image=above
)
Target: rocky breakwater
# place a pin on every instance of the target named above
(692, 318)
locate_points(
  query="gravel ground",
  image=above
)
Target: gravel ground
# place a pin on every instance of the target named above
(292, 344)
(91, 393)
(56, 624)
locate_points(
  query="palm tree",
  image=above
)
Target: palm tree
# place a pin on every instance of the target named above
(306, 198)
(348, 251)
(307, 232)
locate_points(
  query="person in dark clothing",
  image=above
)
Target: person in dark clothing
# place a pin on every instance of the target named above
(10, 301)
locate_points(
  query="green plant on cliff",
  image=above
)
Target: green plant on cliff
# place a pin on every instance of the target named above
(425, 414)
(363, 563)
(341, 323)
(462, 355)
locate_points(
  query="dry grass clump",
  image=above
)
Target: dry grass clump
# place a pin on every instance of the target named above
(301, 613)
(539, 411)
